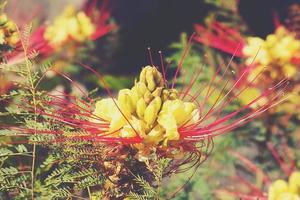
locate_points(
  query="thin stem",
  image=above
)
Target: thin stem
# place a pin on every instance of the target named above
(17, 154)
(32, 91)
(89, 192)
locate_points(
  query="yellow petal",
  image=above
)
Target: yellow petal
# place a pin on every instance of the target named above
(107, 110)
(276, 189)
(152, 110)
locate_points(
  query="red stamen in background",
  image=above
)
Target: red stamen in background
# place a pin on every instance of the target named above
(100, 18)
(246, 197)
(251, 166)
(208, 94)
(255, 191)
(189, 44)
(221, 37)
(276, 19)
(162, 67)
(194, 78)
(287, 170)
(150, 56)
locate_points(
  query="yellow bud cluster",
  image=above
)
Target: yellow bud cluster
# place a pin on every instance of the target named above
(8, 32)
(77, 26)
(153, 111)
(274, 54)
(281, 189)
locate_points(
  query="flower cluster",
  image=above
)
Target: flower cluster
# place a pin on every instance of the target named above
(71, 28)
(278, 54)
(9, 36)
(281, 189)
(77, 26)
(150, 110)
(151, 117)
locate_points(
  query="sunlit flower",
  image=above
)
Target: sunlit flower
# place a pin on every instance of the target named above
(153, 116)
(154, 111)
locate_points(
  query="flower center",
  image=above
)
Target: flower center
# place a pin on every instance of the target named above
(149, 109)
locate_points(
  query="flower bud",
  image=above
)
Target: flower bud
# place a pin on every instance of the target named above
(143, 75)
(125, 101)
(148, 97)
(173, 94)
(140, 108)
(157, 92)
(169, 94)
(141, 89)
(151, 85)
(152, 110)
(151, 77)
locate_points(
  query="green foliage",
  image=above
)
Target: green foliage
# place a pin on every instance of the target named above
(192, 60)
(28, 169)
(151, 190)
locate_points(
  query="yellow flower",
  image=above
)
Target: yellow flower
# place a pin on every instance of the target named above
(69, 25)
(275, 53)
(276, 189)
(289, 70)
(148, 109)
(294, 182)
(107, 110)
(175, 113)
(285, 48)
(247, 96)
(256, 51)
(292, 104)
(8, 32)
(281, 190)
(87, 27)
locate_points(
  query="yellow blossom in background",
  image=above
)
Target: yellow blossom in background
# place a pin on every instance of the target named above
(247, 96)
(282, 190)
(257, 51)
(292, 104)
(149, 109)
(275, 54)
(8, 32)
(69, 25)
